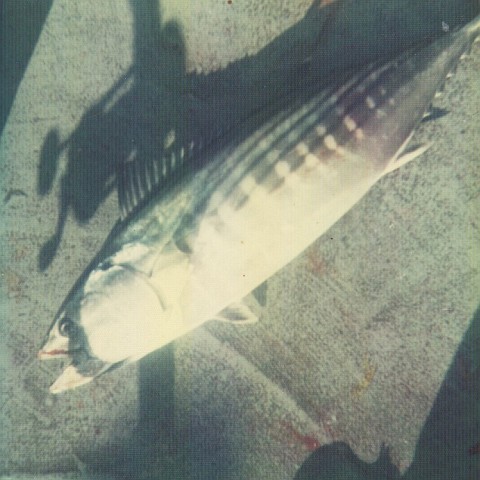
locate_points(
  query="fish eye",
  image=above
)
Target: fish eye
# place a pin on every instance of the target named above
(66, 326)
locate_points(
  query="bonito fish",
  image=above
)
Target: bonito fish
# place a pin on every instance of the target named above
(197, 248)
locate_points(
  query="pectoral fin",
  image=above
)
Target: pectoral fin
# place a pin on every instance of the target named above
(237, 313)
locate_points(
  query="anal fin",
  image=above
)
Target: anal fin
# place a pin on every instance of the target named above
(406, 157)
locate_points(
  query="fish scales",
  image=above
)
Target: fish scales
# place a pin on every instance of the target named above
(194, 251)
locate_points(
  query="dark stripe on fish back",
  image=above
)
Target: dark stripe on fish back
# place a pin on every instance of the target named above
(370, 116)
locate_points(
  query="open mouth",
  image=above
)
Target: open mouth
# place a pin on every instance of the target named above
(70, 377)
(81, 370)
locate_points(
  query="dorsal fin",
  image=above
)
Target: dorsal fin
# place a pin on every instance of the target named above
(372, 98)
(138, 178)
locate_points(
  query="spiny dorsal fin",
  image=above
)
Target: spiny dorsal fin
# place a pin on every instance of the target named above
(139, 177)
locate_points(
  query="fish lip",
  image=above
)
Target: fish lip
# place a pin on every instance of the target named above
(73, 376)
(55, 353)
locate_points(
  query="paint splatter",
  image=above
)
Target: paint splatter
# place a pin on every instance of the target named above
(316, 264)
(308, 441)
(369, 370)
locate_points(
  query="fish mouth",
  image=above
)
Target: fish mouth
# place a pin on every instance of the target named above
(55, 353)
(82, 369)
(71, 377)
(55, 346)
(82, 366)
(79, 373)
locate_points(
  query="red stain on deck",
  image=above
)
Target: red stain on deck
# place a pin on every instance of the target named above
(316, 264)
(309, 442)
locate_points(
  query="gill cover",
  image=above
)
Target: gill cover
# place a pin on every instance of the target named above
(127, 308)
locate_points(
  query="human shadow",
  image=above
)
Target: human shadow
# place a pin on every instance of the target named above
(135, 118)
(337, 461)
(449, 444)
(155, 97)
(132, 121)
(150, 448)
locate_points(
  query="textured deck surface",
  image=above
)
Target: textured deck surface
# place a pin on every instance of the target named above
(367, 338)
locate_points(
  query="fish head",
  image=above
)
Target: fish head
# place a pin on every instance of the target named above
(115, 318)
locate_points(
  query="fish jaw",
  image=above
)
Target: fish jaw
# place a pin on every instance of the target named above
(73, 376)
(69, 379)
